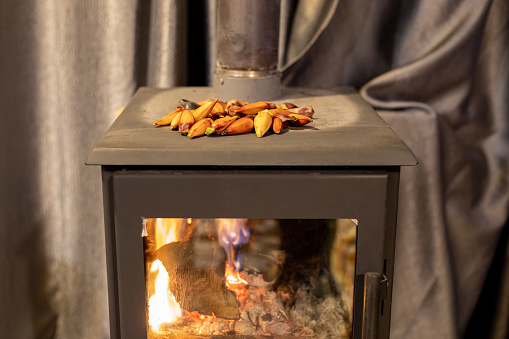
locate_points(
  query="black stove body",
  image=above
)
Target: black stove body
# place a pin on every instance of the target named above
(344, 165)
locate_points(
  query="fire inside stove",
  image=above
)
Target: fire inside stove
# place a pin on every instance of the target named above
(249, 277)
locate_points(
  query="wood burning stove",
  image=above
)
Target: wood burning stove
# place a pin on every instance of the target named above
(303, 222)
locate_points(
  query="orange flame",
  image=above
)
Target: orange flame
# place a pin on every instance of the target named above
(167, 231)
(163, 308)
(234, 280)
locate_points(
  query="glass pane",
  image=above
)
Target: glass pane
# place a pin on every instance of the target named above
(249, 277)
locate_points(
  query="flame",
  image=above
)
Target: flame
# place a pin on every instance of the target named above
(163, 308)
(232, 233)
(234, 280)
(167, 231)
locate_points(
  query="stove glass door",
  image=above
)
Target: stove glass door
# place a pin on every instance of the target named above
(249, 277)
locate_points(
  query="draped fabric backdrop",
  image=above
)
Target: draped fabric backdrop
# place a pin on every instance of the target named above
(437, 71)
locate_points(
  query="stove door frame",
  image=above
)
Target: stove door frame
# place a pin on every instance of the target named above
(130, 193)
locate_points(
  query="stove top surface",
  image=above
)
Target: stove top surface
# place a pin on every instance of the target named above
(346, 131)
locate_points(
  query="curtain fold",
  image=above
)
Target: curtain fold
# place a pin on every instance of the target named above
(167, 43)
(437, 72)
(181, 43)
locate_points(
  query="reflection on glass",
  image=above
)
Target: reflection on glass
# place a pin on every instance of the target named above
(249, 277)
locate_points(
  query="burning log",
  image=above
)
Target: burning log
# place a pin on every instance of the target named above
(196, 284)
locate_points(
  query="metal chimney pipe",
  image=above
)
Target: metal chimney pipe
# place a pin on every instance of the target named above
(247, 50)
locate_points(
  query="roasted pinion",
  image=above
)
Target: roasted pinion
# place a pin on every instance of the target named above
(187, 104)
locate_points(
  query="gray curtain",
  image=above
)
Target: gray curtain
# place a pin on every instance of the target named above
(437, 71)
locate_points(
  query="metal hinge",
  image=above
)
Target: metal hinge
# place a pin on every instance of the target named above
(384, 286)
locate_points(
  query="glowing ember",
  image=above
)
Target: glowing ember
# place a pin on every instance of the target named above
(163, 308)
